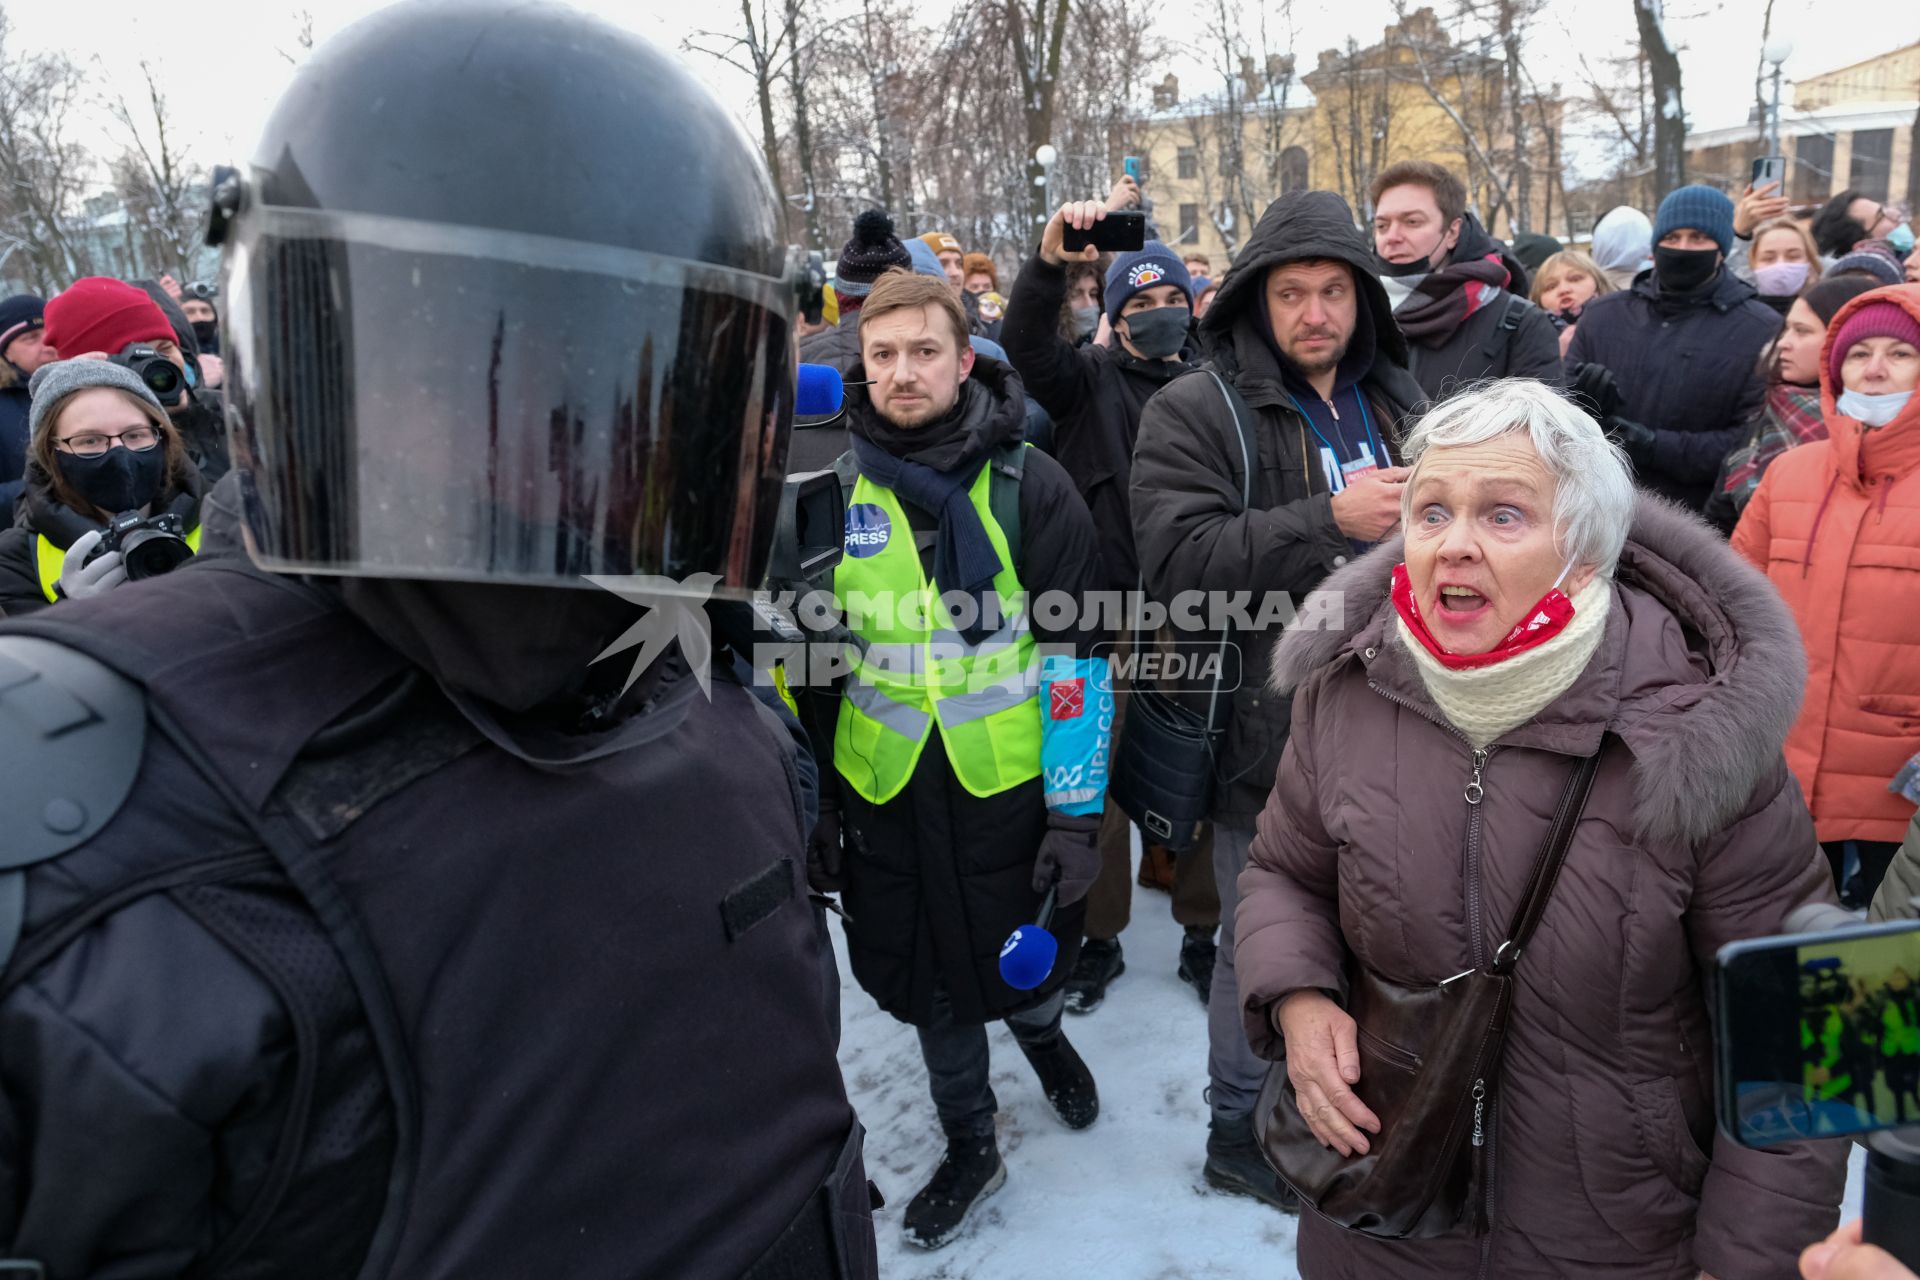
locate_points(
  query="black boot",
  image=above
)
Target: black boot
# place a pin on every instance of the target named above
(969, 1173)
(1235, 1165)
(1066, 1081)
(1099, 964)
(1197, 953)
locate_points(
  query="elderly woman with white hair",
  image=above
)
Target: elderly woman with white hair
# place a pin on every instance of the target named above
(1447, 689)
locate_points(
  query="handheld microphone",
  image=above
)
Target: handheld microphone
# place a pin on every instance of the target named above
(820, 392)
(1029, 953)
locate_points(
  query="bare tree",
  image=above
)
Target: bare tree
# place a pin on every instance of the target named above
(1669, 107)
(162, 189)
(757, 50)
(1035, 41)
(1460, 83)
(1762, 108)
(43, 171)
(302, 38)
(1355, 94)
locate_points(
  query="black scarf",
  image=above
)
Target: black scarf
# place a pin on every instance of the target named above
(933, 467)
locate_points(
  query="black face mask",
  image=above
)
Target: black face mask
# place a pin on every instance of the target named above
(1158, 333)
(207, 334)
(119, 479)
(1418, 267)
(1684, 270)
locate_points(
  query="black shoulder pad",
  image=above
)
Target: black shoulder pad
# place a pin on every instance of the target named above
(72, 733)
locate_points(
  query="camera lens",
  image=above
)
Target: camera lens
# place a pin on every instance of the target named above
(162, 378)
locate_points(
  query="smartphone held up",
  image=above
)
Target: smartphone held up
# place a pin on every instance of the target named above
(1817, 1036)
(1121, 231)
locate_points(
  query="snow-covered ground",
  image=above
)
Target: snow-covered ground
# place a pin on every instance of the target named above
(1120, 1201)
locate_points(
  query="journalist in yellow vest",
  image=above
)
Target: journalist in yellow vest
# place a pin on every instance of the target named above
(969, 742)
(100, 445)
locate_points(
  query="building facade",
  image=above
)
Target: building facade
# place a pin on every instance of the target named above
(1852, 128)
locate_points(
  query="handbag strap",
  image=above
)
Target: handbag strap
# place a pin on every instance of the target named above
(1546, 868)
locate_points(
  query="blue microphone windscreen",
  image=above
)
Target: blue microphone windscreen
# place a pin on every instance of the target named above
(821, 391)
(1028, 956)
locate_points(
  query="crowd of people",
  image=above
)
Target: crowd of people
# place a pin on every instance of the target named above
(1595, 558)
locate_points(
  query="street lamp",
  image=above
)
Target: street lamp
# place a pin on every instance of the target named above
(1776, 52)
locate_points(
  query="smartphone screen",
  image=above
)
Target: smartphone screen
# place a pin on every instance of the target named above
(1770, 169)
(1819, 1034)
(1121, 231)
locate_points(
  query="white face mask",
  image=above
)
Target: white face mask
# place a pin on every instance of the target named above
(1873, 410)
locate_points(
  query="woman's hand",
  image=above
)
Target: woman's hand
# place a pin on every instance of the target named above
(1323, 1062)
(1841, 1256)
(1756, 207)
(1125, 194)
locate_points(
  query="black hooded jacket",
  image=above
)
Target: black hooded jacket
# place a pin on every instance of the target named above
(936, 878)
(1508, 337)
(1095, 396)
(1188, 524)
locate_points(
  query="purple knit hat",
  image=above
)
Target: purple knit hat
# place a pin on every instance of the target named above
(1877, 316)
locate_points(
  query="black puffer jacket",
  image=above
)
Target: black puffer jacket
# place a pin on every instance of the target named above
(1095, 395)
(936, 878)
(1187, 520)
(1508, 337)
(41, 513)
(1685, 368)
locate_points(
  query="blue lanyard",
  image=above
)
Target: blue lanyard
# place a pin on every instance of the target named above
(1380, 458)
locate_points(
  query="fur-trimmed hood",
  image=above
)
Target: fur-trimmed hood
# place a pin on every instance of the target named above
(1710, 665)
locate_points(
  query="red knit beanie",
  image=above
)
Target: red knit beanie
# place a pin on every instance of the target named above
(1874, 319)
(99, 313)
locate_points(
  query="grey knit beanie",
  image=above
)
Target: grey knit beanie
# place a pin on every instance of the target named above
(54, 382)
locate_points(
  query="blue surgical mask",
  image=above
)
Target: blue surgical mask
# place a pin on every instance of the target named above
(1901, 238)
(1873, 410)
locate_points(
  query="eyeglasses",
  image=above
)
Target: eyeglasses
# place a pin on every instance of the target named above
(93, 444)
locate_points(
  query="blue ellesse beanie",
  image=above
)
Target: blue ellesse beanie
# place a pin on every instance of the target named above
(1705, 210)
(1147, 267)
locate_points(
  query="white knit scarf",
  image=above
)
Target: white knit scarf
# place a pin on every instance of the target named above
(1485, 702)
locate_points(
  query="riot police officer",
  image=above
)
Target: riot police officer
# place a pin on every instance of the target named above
(356, 921)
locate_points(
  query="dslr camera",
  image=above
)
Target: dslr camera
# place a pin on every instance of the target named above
(161, 375)
(148, 545)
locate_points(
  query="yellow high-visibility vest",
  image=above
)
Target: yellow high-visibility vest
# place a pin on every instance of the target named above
(917, 674)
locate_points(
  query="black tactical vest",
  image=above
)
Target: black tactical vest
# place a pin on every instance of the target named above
(552, 1022)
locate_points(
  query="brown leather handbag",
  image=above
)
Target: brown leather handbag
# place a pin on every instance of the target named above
(1429, 1064)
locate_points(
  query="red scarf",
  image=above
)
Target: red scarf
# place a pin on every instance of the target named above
(1542, 623)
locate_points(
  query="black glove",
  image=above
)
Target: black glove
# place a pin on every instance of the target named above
(1069, 856)
(1635, 437)
(825, 858)
(1596, 390)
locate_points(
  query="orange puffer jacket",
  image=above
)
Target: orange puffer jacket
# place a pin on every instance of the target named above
(1836, 526)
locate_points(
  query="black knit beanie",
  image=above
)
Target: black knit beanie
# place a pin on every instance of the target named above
(873, 251)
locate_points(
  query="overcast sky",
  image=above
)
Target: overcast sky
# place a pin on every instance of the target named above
(220, 61)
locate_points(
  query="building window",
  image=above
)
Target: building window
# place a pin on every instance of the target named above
(1189, 224)
(1812, 168)
(1293, 170)
(1872, 162)
(1188, 162)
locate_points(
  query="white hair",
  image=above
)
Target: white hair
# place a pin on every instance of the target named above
(1593, 485)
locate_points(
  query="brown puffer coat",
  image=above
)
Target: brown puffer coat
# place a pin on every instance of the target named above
(1605, 1156)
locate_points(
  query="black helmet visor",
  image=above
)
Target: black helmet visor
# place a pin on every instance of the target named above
(420, 400)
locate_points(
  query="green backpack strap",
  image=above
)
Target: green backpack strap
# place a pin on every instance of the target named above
(1009, 462)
